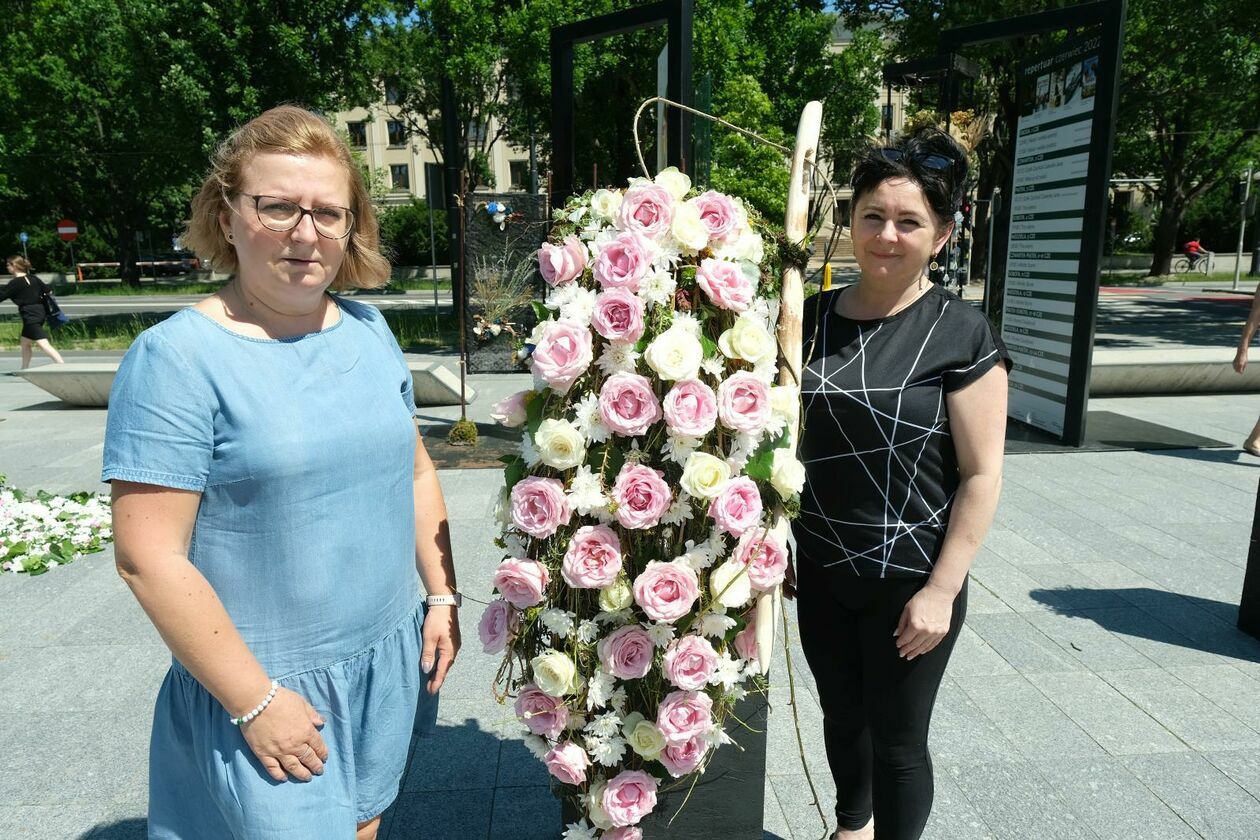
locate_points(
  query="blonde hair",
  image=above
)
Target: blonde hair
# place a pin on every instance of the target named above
(21, 263)
(293, 131)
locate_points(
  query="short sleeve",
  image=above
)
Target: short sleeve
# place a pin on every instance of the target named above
(160, 426)
(981, 347)
(376, 320)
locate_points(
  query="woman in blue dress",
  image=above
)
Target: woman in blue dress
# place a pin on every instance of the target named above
(275, 512)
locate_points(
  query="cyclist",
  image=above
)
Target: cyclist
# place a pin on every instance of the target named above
(1194, 251)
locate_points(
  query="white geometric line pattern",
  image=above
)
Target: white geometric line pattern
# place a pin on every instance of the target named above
(880, 461)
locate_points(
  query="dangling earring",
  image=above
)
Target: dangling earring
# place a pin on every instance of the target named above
(933, 265)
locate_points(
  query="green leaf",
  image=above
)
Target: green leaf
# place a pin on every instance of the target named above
(18, 548)
(541, 312)
(760, 465)
(515, 471)
(709, 345)
(534, 412)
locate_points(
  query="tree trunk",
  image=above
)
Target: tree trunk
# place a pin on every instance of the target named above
(127, 268)
(1165, 240)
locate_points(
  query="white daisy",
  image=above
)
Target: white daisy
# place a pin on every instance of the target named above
(618, 357)
(678, 447)
(661, 633)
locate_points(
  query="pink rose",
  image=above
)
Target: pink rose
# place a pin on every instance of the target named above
(498, 625)
(684, 715)
(689, 662)
(627, 404)
(521, 582)
(744, 402)
(684, 758)
(541, 713)
(719, 215)
(628, 832)
(746, 639)
(666, 591)
(690, 408)
(563, 353)
(646, 209)
(765, 557)
(568, 762)
(560, 264)
(510, 411)
(629, 797)
(539, 506)
(618, 315)
(738, 507)
(593, 559)
(726, 284)
(622, 263)
(626, 652)
(642, 496)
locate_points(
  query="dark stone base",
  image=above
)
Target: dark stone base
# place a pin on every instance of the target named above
(728, 801)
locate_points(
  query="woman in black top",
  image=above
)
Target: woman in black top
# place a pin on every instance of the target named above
(26, 290)
(904, 405)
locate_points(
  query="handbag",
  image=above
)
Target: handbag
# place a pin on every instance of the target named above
(52, 311)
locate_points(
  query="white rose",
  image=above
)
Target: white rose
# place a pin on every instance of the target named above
(595, 806)
(616, 596)
(688, 229)
(560, 445)
(704, 475)
(748, 339)
(747, 247)
(606, 203)
(675, 354)
(673, 182)
(785, 403)
(729, 585)
(555, 673)
(643, 736)
(787, 474)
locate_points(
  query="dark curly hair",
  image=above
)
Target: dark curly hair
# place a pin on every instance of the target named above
(929, 158)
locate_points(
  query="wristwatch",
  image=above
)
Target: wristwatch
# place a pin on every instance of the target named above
(455, 600)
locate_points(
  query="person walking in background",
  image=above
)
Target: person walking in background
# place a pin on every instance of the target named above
(904, 407)
(27, 291)
(1252, 444)
(275, 512)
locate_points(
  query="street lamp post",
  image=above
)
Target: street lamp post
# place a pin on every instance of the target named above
(1242, 223)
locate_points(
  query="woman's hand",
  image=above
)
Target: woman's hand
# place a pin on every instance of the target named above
(924, 621)
(1240, 360)
(285, 739)
(441, 643)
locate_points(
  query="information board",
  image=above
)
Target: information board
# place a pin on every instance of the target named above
(1051, 268)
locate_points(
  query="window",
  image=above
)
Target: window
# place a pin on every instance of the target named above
(397, 133)
(358, 134)
(519, 170)
(392, 93)
(887, 116)
(399, 176)
(477, 133)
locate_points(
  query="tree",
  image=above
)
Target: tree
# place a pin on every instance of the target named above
(118, 103)
(1189, 107)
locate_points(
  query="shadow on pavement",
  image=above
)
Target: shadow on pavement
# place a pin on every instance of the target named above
(126, 830)
(1160, 616)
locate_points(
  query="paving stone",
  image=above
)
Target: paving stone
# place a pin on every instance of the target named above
(446, 815)
(783, 752)
(526, 813)
(1015, 801)
(1110, 718)
(980, 601)
(1011, 586)
(1212, 803)
(1081, 638)
(1227, 686)
(1243, 766)
(953, 816)
(1140, 630)
(54, 821)
(453, 758)
(518, 767)
(1022, 645)
(962, 735)
(1183, 711)
(1104, 795)
(972, 656)
(1034, 725)
(798, 805)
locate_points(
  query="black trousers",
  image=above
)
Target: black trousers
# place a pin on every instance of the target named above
(876, 706)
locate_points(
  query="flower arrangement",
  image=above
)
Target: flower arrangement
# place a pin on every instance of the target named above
(45, 531)
(642, 518)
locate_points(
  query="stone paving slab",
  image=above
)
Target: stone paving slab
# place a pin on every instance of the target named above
(1099, 689)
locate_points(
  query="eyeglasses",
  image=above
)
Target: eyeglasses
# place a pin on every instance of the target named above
(280, 214)
(927, 160)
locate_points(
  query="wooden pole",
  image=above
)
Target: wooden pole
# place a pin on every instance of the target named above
(792, 301)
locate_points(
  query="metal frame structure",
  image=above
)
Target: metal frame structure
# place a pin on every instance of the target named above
(676, 15)
(1109, 16)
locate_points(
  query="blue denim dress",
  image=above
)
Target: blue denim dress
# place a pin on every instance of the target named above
(302, 450)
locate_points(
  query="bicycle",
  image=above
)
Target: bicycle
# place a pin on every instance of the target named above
(1181, 265)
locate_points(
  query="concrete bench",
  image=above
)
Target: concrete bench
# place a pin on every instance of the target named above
(87, 384)
(1173, 370)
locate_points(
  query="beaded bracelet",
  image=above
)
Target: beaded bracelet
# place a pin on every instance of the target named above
(244, 719)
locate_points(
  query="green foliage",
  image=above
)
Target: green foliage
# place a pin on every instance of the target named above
(463, 433)
(743, 167)
(405, 233)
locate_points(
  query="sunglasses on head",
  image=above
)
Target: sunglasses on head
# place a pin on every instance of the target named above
(927, 160)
